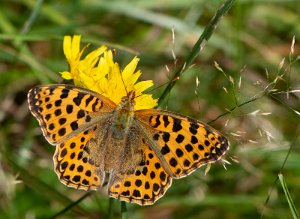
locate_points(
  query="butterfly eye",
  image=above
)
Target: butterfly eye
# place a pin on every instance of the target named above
(132, 103)
(124, 99)
(132, 130)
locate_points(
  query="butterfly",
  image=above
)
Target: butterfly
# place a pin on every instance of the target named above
(136, 152)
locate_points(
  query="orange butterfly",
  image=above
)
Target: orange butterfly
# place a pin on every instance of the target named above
(141, 151)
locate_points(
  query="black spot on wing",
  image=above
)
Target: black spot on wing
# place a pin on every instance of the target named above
(64, 93)
(77, 100)
(176, 125)
(157, 122)
(88, 100)
(166, 120)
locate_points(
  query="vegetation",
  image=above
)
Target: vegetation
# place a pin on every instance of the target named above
(245, 82)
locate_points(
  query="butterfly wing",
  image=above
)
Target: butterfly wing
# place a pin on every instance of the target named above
(68, 117)
(64, 110)
(74, 165)
(146, 183)
(183, 144)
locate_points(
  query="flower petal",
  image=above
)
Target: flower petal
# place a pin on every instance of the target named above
(93, 57)
(67, 47)
(143, 85)
(145, 101)
(66, 75)
(75, 47)
(130, 68)
(98, 72)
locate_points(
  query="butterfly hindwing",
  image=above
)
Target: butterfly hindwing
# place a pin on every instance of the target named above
(145, 184)
(74, 165)
(183, 143)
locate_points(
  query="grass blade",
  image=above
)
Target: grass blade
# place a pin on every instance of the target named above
(67, 208)
(208, 31)
(288, 196)
(124, 210)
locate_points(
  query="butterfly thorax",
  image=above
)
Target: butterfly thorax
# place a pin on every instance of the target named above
(124, 113)
(121, 136)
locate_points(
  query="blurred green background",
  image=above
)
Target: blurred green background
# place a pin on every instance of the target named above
(259, 79)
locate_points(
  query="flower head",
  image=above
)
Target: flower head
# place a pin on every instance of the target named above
(98, 72)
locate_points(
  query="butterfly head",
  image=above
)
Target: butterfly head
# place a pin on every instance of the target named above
(127, 102)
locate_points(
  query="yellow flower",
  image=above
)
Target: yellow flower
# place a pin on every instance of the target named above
(98, 72)
(77, 67)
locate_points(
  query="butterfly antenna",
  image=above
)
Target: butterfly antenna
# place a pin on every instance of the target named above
(115, 53)
(123, 82)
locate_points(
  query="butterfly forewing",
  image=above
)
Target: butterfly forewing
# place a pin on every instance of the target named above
(64, 110)
(183, 144)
